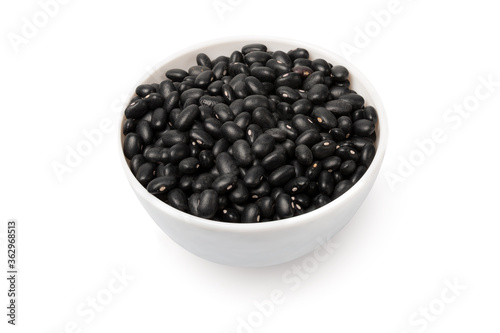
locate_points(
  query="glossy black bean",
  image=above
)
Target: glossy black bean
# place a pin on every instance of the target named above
(296, 185)
(189, 165)
(243, 120)
(337, 91)
(301, 199)
(204, 79)
(226, 164)
(331, 163)
(339, 107)
(251, 213)
(186, 182)
(132, 145)
(357, 174)
(324, 118)
(337, 134)
(318, 94)
(253, 47)
(308, 137)
(254, 176)
(220, 70)
(194, 93)
(128, 126)
(266, 206)
(313, 79)
(230, 215)
(277, 67)
(161, 184)
(209, 202)
(359, 142)
(159, 119)
(321, 65)
(281, 175)
(326, 182)
(284, 206)
(274, 159)
(166, 87)
(339, 73)
(263, 73)
(168, 169)
(186, 118)
(250, 103)
(371, 114)
(224, 183)
(231, 131)
(367, 154)
(342, 187)
(347, 167)
(303, 154)
(356, 101)
(176, 75)
(282, 57)
(215, 88)
(219, 59)
(145, 173)
(236, 106)
(144, 89)
(143, 129)
(291, 133)
(278, 134)
(290, 79)
(321, 200)
(154, 100)
(323, 149)
(298, 53)
(220, 146)
(173, 137)
(136, 109)
(236, 68)
(193, 72)
(263, 117)
(241, 90)
(136, 161)
(193, 203)
(178, 152)
(263, 145)
(228, 93)
(177, 199)
(287, 94)
(345, 124)
(254, 86)
(363, 127)
(203, 60)
(256, 56)
(239, 194)
(262, 190)
(347, 153)
(171, 101)
(190, 101)
(202, 139)
(242, 153)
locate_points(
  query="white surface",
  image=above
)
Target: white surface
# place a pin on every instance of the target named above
(439, 224)
(260, 244)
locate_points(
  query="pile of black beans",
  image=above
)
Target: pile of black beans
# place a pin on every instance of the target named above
(256, 136)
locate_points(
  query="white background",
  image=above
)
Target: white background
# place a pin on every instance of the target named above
(437, 223)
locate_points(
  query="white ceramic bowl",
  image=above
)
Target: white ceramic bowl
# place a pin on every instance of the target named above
(265, 243)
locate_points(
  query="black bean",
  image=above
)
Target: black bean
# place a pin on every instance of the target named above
(128, 126)
(288, 94)
(202, 182)
(193, 203)
(202, 139)
(331, 163)
(186, 118)
(145, 132)
(236, 68)
(274, 159)
(339, 107)
(176, 75)
(347, 153)
(339, 73)
(166, 87)
(254, 176)
(359, 141)
(159, 119)
(250, 103)
(136, 161)
(308, 138)
(284, 206)
(321, 200)
(144, 89)
(156, 154)
(231, 131)
(178, 152)
(324, 118)
(313, 79)
(251, 213)
(296, 185)
(173, 137)
(298, 53)
(230, 215)
(256, 56)
(342, 187)
(253, 47)
(189, 165)
(367, 154)
(146, 173)
(228, 93)
(224, 183)
(262, 190)
(337, 134)
(220, 146)
(186, 183)
(266, 206)
(154, 100)
(278, 67)
(263, 73)
(356, 101)
(242, 153)
(278, 134)
(253, 131)
(282, 57)
(321, 65)
(303, 154)
(326, 182)
(223, 112)
(303, 71)
(169, 169)
(171, 101)
(363, 127)
(226, 164)
(204, 79)
(301, 199)
(357, 174)
(161, 184)
(263, 117)
(239, 194)
(347, 167)
(177, 199)
(132, 145)
(136, 109)
(371, 114)
(323, 149)
(318, 94)
(281, 175)
(291, 79)
(220, 70)
(345, 124)
(203, 60)
(209, 203)
(243, 120)
(255, 86)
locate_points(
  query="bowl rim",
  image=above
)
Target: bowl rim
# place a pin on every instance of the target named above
(356, 189)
